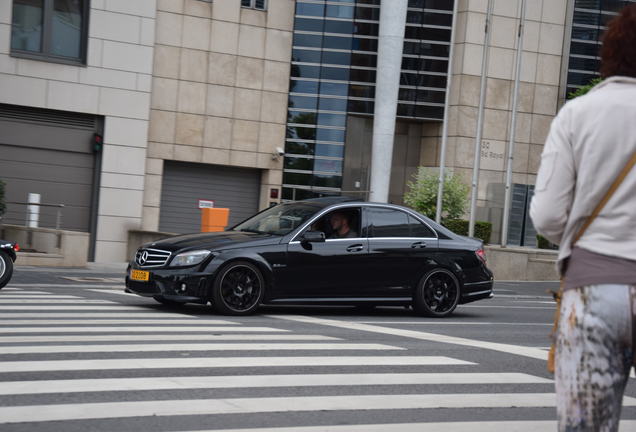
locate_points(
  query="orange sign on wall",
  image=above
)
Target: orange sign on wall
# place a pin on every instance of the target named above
(214, 219)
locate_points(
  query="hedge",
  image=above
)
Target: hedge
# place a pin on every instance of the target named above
(460, 226)
(544, 243)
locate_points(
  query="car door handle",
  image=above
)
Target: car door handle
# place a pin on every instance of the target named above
(355, 248)
(418, 244)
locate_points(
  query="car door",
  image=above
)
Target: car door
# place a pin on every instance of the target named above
(330, 269)
(399, 245)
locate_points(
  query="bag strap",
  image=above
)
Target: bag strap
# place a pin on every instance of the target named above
(610, 192)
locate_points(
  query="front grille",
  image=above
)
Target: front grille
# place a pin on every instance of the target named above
(151, 257)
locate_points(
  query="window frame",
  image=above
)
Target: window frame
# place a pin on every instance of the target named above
(45, 53)
(253, 5)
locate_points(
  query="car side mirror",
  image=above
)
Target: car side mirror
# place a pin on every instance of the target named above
(313, 237)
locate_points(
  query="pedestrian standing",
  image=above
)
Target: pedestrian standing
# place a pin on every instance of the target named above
(586, 168)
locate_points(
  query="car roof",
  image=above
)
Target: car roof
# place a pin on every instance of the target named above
(331, 200)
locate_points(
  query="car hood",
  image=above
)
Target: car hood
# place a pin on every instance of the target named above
(211, 241)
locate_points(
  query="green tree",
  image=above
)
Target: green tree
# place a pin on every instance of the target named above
(586, 88)
(422, 195)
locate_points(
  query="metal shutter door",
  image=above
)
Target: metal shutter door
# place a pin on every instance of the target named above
(184, 184)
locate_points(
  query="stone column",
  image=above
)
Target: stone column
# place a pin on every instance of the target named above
(390, 45)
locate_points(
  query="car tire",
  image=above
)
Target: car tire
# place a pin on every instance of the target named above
(6, 268)
(437, 294)
(167, 302)
(238, 289)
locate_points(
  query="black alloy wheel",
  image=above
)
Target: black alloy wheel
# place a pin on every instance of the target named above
(238, 289)
(168, 302)
(6, 268)
(437, 294)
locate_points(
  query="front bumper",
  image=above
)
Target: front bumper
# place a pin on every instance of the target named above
(182, 285)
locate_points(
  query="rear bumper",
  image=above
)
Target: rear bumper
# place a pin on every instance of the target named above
(477, 291)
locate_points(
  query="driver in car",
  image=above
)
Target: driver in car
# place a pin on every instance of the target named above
(340, 224)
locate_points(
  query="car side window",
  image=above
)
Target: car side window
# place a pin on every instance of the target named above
(339, 223)
(418, 229)
(384, 222)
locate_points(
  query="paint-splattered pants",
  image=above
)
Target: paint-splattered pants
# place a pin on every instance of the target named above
(593, 357)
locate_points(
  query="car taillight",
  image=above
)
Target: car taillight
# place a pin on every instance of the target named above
(16, 247)
(481, 255)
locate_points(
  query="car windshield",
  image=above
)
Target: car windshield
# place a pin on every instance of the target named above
(279, 220)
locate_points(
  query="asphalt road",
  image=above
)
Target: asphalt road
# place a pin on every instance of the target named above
(78, 354)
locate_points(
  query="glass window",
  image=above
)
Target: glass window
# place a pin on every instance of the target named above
(364, 60)
(336, 135)
(328, 165)
(335, 89)
(418, 229)
(335, 73)
(302, 117)
(427, 33)
(356, 90)
(367, 13)
(584, 64)
(384, 222)
(311, 9)
(331, 104)
(364, 44)
(332, 26)
(585, 33)
(338, 58)
(367, 29)
(360, 106)
(297, 178)
(332, 119)
(26, 30)
(337, 42)
(419, 17)
(308, 24)
(304, 71)
(301, 148)
(304, 102)
(584, 48)
(305, 56)
(299, 163)
(332, 223)
(331, 181)
(297, 132)
(422, 80)
(300, 86)
(307, 40)
(254, 4)
(334, 11)
(331, 150)
(363, 75)
(55, 29)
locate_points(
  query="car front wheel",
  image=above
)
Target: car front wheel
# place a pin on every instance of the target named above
(6, 268)
(437, 294)
(238, 289)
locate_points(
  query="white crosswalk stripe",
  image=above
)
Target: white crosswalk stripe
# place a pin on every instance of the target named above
(80, 360)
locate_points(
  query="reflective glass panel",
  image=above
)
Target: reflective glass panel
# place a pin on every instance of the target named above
(335, 73)
(336, 135)
(26, 27)
(305, 71)
(332, 119)
(339, 58)
(584, 33)
(308, 24)
(297, 132)
(418, 229)
(331, 181)
(305, 56)
(357, 90)
(332, 26)
(331, 150)
(311, 9)
(305, 102)
(363, 75)
(366, 29)
(302, 117)
(363, 44)
(388, 223)
(334, 11)
(299, 163)
(364, 60)
(584, 48)
(328, 104)
(307, 40)
(328, 165)
(66, 32)
(367, 13)
(337, 42)
(358, 106)
(300, 86)
(335, 89)
(292, 147)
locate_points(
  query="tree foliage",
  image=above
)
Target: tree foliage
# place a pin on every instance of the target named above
(586, 88)
(422, 195)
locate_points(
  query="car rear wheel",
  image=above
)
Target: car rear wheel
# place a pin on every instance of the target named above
(6, 268)
(167, 302)
(437, 294)
(238, 289)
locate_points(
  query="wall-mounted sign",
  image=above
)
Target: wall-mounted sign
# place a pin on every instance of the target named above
(206, 204)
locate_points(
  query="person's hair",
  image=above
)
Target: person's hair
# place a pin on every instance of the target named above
(618, 53)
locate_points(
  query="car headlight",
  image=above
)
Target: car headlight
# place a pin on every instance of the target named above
(189, 258)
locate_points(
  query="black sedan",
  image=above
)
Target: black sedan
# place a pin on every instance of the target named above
(324, 251)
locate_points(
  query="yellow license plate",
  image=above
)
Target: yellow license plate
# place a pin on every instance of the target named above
(140, 275)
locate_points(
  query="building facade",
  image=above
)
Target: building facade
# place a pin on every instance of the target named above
(129, 113)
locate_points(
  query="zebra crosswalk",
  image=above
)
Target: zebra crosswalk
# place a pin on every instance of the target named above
(83, 363)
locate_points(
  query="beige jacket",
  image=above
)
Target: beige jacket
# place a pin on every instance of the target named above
(589, 143)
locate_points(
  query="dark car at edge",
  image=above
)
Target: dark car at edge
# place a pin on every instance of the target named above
(290, 254)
